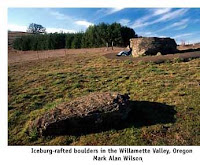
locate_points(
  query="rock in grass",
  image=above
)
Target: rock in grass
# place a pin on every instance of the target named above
(91, 113)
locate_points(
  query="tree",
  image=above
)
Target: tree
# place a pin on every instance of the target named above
(127, 34)
(76, 43)
(114, 34)
(36, 28)
(68, 40)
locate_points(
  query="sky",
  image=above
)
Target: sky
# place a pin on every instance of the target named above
(182, 24)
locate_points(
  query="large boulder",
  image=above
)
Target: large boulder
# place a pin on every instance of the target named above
(152, 45)
(90, 113)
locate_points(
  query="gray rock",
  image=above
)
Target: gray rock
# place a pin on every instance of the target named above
(152, 45)
(91, 113)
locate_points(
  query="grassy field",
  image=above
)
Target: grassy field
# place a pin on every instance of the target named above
(165, 97)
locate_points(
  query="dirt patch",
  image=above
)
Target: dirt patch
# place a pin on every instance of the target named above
(155, 59)
(15, 56)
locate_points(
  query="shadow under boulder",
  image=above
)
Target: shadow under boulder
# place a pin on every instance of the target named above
(145, 113)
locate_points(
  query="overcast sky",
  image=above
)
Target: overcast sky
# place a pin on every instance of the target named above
(182, 24)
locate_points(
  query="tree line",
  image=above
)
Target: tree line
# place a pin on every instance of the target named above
(95, 36)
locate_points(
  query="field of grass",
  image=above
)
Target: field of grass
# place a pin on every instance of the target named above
(166, 97)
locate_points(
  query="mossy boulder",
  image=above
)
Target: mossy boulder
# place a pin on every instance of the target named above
(91, 113)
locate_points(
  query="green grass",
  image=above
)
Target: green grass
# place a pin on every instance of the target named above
(38, 86)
